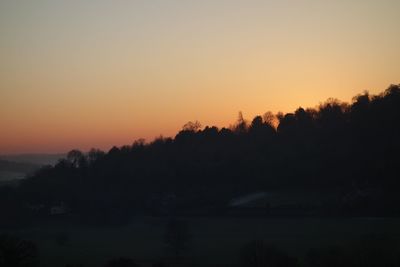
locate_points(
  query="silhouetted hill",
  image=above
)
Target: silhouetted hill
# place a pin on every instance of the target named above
(12, 171)
(37, 159)
(337, 159)
(19, 167)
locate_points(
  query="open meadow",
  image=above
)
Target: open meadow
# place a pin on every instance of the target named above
(213, 240)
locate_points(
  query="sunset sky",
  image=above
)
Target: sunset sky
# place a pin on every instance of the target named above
(82, 74)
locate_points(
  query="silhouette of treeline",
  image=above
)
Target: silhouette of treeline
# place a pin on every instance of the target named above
(346, 154)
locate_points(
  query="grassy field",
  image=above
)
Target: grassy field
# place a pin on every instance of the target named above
(214, 240)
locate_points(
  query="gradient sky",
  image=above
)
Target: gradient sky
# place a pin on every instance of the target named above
(81, 74)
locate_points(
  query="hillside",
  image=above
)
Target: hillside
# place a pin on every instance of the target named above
(344, 154)
(10, 170)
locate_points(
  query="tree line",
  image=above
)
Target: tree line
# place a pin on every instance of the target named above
(347, 152)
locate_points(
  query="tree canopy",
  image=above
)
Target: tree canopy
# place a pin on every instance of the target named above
(346, 152)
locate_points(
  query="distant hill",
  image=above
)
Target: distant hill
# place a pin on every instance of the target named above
(19, 167)
(36, 159)
(16, 167)
(10, 170)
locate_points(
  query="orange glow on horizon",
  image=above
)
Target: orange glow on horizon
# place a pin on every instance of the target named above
(118, 72)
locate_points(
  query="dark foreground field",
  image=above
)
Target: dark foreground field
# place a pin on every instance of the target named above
(213, 240)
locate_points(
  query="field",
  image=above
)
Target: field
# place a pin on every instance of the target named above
(214, 240)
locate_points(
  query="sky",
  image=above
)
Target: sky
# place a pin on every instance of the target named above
(82, 74)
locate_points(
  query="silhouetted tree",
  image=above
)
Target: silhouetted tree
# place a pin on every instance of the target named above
(95, 155)
(270, 119)
(192, 126)
(76, 158)
(241, 125)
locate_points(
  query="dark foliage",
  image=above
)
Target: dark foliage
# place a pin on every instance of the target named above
(347, 153)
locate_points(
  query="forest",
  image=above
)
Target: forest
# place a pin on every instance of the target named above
(344, 157)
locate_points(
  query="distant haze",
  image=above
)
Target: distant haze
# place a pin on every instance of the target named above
(37, 159)
(82, 74)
